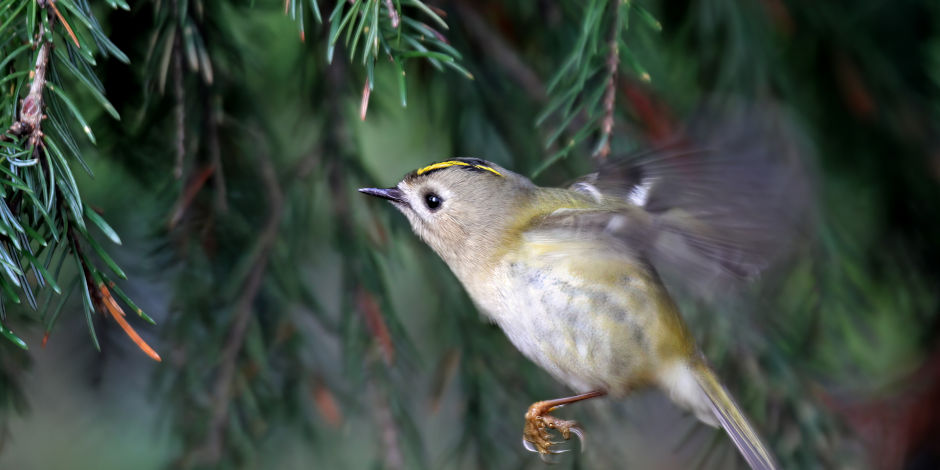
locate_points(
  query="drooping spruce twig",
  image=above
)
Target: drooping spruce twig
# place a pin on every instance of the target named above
(177, 50)
(44, 207)
(179, 112)
(583, 89)
(371, 30)
(222, 390)
(392, 13)
(610, 91)
(101, 296)
(389, 436)
(31, 111)
(213, 118)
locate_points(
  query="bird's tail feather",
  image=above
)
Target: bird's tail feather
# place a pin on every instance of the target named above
(732, 419)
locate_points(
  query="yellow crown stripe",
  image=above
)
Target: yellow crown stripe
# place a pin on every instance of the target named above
(439, 165)
(491, 170)
(449, 163)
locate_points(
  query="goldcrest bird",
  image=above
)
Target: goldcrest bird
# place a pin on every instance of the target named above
(570, 275)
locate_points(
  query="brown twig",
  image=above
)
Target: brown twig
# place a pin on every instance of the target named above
(108, 304)
(179, 98)
(391, 449)
(653, 115)
(392, 13)
(215, 153)
(375, 322)
(364, 105)
(325, 401)
(610, 94)
(31, 110)
(68, 28)
(103, 301)
(222, 394)
(197, 180)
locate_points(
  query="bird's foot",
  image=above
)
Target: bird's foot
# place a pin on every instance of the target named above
(536, 436)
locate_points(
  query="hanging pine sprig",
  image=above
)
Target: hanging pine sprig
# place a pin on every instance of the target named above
(49, 49)
(369, 29)
(177, 43)
(583, 90)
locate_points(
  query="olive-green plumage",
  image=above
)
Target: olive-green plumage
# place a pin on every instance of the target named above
(567, 275)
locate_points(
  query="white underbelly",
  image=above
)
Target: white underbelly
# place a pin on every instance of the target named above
(585, 335)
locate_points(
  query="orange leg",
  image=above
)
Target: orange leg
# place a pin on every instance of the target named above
(538, 421)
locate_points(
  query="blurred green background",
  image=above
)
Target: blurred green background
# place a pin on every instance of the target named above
(303, 326)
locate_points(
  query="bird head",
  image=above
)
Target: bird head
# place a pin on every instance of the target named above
(460, 206)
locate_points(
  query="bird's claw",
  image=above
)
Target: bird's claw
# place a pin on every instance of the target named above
(528, 445)
(552, 457)
(579, 432)
(536, 434)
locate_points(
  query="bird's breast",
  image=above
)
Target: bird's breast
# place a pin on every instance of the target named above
(595, 322)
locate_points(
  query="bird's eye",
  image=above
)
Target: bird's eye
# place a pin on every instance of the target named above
(433, 201)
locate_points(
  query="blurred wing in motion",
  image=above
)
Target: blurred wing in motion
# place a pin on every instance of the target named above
(730, 197)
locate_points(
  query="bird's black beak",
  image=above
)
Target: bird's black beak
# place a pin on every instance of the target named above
(392, 194)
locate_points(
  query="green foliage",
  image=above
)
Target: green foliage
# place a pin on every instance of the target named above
(298, 315)
(49, 50)
(383, 28)
(582, 87)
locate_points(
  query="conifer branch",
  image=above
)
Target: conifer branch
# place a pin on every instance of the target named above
(583, 90)
(215, 154)
(179, 98)
(101, 297)
(223, 389)
(31, 111)
(61, 213)
(610, 93)
(388, 431)
(392, 13)
(253, 299)
(371, 30)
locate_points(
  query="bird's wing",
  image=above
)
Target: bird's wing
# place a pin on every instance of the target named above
(721, 205)
(593, 232)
